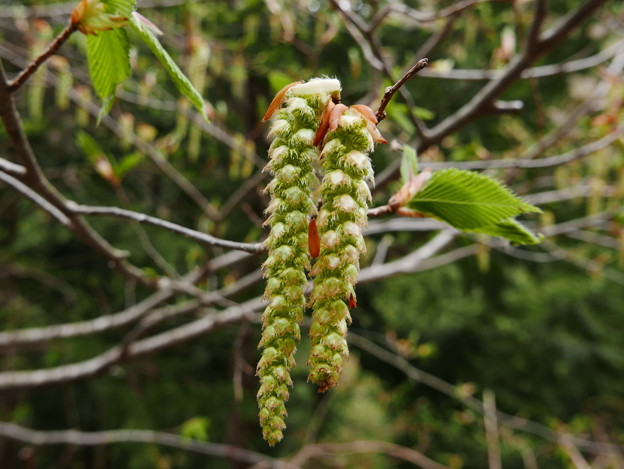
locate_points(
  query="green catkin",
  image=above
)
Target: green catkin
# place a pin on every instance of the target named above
(345, 197)
(292, 158)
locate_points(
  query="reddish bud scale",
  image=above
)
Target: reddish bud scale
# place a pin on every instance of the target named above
(314, 241)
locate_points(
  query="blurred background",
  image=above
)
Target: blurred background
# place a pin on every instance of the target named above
(466, 352)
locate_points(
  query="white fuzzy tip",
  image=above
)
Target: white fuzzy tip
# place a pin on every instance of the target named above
(316, 86)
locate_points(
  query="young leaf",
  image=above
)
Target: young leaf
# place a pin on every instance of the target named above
(409, 164)
(121, 7)
(467, 200)
(181, 81)
(512, 230)
(109, 61)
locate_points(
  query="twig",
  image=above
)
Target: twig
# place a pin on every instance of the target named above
(50, 51)
(491, 430)
(203, 238)
(391, 90)
(36, 198)
(540, 71)
(99, 364)
(473, 403)
(428, 17)
(102, 438)
(324, 450)
(12, 168)
(37, 180)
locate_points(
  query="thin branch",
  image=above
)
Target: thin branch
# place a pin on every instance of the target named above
(103, 438)
(391, 90)
(540, 71)
(101, 363)
(49, 52)
(12, 168)
(42, 335)
(37, 199)
(203, 238)
(491, 430)
(429, 17)
(494, 88)
(325, 450)
(37, 180)
(473, 403)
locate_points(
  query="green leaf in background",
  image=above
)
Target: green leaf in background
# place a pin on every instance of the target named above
(195, 428)
(181, 81)
(467, 200)
(512, 230)
(409, 164)
(109, 61)
(89, 146)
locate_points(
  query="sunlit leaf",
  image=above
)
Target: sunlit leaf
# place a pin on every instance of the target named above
(109, 61)
(467, 200)
(512, 230)
(181, 81)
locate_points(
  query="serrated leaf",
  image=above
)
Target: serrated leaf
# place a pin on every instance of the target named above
(181, 81)
(468, 200)
(109, 60)
(512, 230)
(409, 164)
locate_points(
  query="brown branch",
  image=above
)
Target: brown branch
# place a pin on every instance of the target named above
(511, 421)
(99, 364)
(12, 168)
(203, 238)
(49, 52)
(491, 430)
(494, 88)
(540, 71)
(325, 450)
(103, 438)
(37, 199)
(36, 179)
(391, 90)
(429, 17)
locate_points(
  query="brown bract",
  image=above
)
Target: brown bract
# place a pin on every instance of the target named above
(277, 101)
(324, 124)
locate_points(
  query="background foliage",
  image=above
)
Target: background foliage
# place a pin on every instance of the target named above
(539, 328)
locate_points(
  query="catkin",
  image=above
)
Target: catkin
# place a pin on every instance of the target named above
(345, 196)
(292, 159)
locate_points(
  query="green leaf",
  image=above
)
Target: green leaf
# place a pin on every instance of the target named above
(512, 230)
(89, 146)
(181, 81)
(109, 60)
(409, 163)
(467, 200)
(196, 428)
(120, 7)
(128, 163)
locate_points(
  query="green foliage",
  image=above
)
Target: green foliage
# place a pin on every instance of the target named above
(121, 7)
(409, 164)
(511, 230)
(183, 84)
(473, 202)
(109, 60)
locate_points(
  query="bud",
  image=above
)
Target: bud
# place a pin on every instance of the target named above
(90, 16)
